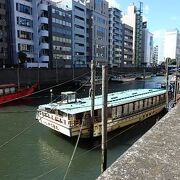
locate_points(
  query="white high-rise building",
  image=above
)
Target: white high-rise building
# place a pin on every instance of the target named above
(172, 44)
(148, 47)
(29, 33)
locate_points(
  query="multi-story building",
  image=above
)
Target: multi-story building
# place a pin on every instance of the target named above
(60, 36)
(155, 55)
(147, 48)
(115, 37)
(127, 47)
(97, 31)
(79, 34)
(172, 44)
(29, 31)
(3, 33)
(134, 19)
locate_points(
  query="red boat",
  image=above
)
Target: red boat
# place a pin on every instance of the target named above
(10, 92)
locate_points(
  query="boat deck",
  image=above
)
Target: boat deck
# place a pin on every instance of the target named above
(114, 99)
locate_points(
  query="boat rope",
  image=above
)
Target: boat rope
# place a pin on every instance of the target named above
(51, 87)
(74, 151)
(86, 152)
(69, 164)
(7, 142)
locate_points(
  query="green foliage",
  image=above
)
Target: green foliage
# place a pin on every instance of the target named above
(22, 56)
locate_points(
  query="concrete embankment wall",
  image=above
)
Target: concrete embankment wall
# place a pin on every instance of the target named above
(156, 155)
(48, 76)
(44, 76)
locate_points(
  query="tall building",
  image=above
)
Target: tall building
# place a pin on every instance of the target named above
(79, 34)
(127, 47)
(147, 48)
(115, 37)
(3, 33)
(134, 19)
(155, 55)
(60, 36)
(97, 31)
(29, 31)
(172, 44)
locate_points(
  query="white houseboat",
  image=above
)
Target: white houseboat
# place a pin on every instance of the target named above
(124, 108)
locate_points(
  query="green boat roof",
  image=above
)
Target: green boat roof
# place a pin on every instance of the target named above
(114, 99)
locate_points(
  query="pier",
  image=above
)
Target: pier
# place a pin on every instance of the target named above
(156, 155)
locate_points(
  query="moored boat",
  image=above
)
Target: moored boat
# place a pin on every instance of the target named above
(10, 92)
(124, 108)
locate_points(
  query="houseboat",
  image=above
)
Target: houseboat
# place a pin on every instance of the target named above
(70, 115)
(10, 92)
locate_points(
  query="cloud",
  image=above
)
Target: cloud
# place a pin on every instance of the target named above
(146, 9)
(173, 18)
(114, 3)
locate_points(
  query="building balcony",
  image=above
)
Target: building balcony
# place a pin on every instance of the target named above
(117, 25)
(44, 45)
(117, 31)
(79, 13)
(43, 20)
(43, 7)
(79, 39)
(79, 31)
(79, 48)
(44, 58)
(44, 33)
(79, 22)
(117, 19)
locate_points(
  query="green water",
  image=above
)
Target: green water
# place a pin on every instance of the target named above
(37, 150)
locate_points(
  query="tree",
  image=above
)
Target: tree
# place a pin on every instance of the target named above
(22, 56)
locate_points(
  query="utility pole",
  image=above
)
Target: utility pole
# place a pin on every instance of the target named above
(167, 84)
(104, 118)
(93, 74)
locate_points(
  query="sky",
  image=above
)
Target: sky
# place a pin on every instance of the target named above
(161, 15)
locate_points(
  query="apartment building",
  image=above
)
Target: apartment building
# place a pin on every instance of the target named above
(60, 36)
(115, 37)
(97, 31)
(3, 33)
(127, 47)
(172, 44)
(134, 19)
(155, 55)
(29, 31)
(147, 48)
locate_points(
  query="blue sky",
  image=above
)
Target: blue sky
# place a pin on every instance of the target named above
(160, 15)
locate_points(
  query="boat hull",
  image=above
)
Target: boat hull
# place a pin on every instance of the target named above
(112, 124)
(17, 95)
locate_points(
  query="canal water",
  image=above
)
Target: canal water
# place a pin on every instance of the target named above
(29, 150)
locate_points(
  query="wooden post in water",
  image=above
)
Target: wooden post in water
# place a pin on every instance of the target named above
(167, 84)
(92, 92)
(104, 118)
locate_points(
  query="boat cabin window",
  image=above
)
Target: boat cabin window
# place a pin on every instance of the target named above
(1, 91)
(12, 89)
(68, 97)
(79, 116)
(6, 90)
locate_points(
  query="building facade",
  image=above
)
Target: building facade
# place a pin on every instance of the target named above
(60, 37)
(134, 19)
(172, 44)
(147, 48)
(97, 31)
(127, 47)
(115, 37)
(3, 33)
(155, 55)
(29, 31)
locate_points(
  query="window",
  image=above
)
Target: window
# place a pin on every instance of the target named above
(25, 35)
(23, 8)
(24, 22)
(25, 47)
